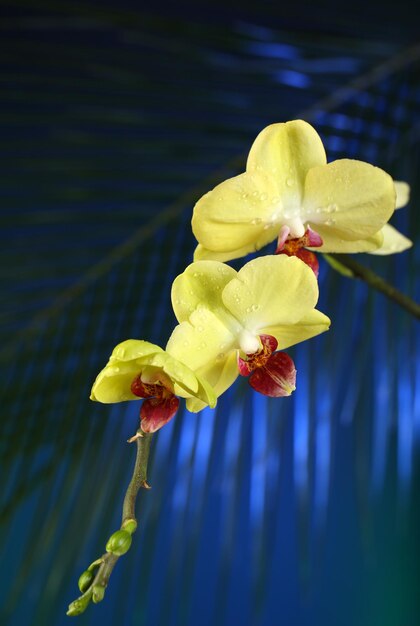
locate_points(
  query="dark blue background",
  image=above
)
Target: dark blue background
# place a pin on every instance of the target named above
(115, 119)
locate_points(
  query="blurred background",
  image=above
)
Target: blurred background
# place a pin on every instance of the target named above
(115, 118)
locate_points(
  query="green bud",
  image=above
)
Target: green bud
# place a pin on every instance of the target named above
(78, 606)
(130, 525)
(98, 593)
(119, 543)
(85, 580)
(93, 566)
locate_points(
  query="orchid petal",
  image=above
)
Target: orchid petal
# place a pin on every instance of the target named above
(220, 375)
(271, 291)
(312, 324)
(235, 214)
(287, 151)
(203, 339)
(113, 383)
(354, 199)
(175, 370)
(403, 193)
(334, 243)
(393, 241)
(201, 283)
(131, 349)
(204, 254)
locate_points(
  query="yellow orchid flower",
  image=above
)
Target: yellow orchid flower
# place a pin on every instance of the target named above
(139, 369)
(288, 192)
(225, 315)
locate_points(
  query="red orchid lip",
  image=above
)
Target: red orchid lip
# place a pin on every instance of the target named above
(156, 412)
(277, 378)
(270, 373)
(159, 406)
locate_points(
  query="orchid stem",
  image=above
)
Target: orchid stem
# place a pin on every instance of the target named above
(97, 576)
(356, 270)
(139, 477)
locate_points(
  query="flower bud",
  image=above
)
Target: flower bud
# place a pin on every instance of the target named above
(130, 525)
(85, 580)
(78, 606)
(119, 543)
(98, 593)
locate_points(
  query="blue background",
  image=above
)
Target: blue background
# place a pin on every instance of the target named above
(115, 119)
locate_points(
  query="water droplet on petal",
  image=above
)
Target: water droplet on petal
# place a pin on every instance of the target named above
(290, 182)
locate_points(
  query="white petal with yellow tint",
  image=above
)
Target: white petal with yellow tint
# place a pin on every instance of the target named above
(311, 324)
(354, 199)
(200, 283)
(287, 151)
(220, 375)
(402, 190)
(393, 241)
(333, 243)
(236, 212)
(271, 291)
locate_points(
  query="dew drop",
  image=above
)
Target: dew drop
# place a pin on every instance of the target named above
(263, 197)
(255, 307)
(256, 220)
(200, 329)
(290, 182)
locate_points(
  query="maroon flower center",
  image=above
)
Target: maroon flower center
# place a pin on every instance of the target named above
(270, 373)
(159, 406)
(296, 247)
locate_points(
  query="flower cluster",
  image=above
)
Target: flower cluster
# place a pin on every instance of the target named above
(239, 323)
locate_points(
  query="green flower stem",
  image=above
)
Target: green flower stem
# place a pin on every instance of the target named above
(120, 541)
(356, 270)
